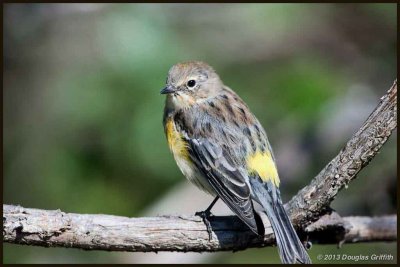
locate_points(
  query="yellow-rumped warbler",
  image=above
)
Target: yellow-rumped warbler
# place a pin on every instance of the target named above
(221, 147)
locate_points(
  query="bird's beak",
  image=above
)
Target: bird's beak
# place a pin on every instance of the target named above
(167, 90)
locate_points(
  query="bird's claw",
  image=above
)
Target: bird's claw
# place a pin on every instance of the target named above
(205, 215)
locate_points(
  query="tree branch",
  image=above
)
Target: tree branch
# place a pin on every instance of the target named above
(188, 233)
(170, 233)
(331, 228)
(313, 200)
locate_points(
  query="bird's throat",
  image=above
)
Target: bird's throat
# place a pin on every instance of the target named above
(179, 101)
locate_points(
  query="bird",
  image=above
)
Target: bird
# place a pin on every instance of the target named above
(220, 146)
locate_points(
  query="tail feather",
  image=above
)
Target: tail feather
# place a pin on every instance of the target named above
(290, 248)
(285, 249)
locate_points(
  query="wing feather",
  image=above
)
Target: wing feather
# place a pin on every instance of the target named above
(228, 182)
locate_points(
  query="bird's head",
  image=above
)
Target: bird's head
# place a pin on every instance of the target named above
(191, 82)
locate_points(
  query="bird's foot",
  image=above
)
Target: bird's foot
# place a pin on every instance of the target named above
(205, 215)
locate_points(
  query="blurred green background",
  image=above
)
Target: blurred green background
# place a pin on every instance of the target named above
(82, 112)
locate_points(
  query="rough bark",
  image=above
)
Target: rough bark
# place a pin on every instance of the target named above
(313, 200)
(171, 233)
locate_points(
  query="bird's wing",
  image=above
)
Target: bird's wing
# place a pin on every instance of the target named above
(227, 180)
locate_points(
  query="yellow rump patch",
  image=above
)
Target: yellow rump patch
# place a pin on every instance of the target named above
(175, 141)
(264, 166)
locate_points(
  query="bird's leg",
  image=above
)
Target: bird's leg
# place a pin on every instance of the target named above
(205, 215)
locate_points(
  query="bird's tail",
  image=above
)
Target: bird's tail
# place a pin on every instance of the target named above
(290, 248)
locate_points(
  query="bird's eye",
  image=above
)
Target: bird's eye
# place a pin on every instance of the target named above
(191, 83)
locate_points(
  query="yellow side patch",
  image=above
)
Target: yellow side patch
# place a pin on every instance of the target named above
(264, 166)
(177, 145)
